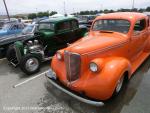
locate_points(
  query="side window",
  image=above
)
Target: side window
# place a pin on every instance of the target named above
(74, 24)
(140, 25)
(64, 26)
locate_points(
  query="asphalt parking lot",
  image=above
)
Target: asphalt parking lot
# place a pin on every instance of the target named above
(37, 96)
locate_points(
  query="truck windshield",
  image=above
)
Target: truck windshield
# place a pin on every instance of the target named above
(115, 25)
(6, 26)
(48, 26)
(28, 29)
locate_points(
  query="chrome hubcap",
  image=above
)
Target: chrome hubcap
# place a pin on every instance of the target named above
(119, 84)
(32, 64)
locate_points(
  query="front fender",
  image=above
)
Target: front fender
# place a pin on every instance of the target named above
(101, 85)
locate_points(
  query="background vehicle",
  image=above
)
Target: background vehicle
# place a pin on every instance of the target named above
(26, 34)
(53, 34)
(11, 28)
(96, 67)
(86, 20)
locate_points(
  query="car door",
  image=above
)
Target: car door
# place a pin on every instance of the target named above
(63, 32)
(75, 31)
(138, 38)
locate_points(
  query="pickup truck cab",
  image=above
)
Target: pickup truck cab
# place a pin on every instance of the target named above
(95, 68)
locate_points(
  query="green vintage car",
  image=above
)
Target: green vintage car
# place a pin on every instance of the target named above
(53, 34)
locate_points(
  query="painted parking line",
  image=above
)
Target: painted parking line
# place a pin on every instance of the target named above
(28, 80)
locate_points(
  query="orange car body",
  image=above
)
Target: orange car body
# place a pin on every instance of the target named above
(115, 53)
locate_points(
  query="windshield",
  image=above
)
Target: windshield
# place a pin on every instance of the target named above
(115, 25)
(6, 26)
(48, 26)
(28, 29)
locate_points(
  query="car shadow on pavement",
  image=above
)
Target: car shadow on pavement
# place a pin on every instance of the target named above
(114, 105)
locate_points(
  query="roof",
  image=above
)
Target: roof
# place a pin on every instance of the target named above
(123, 15)
(58, 19)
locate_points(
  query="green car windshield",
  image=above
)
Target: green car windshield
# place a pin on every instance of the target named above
(47, 26)
(116, 25)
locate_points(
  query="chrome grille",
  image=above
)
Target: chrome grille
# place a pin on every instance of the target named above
(73, 64)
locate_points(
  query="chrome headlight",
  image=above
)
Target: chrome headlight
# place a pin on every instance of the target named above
(93, 67)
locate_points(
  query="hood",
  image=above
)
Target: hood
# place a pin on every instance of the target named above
(14, 37)
(97, 41)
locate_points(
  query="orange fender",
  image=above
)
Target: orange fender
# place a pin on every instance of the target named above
(147, 48)
(101, 85)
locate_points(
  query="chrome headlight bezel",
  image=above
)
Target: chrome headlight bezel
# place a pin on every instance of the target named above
(93, 67)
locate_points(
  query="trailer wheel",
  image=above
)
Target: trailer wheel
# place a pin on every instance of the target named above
(30, 64)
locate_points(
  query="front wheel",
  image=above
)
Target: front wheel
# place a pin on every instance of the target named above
(119, 85)
(30, 64)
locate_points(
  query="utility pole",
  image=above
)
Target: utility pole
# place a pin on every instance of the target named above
(133, 4)
(6, 10)
(65, 9)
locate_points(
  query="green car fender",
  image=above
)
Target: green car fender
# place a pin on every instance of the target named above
(19, 48)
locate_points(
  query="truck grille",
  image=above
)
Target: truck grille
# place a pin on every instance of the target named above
(73, 64)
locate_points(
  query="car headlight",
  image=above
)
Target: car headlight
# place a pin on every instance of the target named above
(59, 56)
(93, 67)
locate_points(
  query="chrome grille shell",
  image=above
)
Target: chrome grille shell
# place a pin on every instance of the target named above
(73, 65)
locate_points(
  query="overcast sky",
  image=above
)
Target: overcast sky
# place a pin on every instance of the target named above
(28, 6)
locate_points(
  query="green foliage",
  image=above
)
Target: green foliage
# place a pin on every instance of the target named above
(52, 13)
(111, 11)
(148, 8)
(41, 14)
(32, 16)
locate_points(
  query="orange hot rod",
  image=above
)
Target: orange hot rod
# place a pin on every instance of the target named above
(95, 67)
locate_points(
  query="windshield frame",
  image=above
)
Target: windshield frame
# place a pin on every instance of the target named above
(112, 30)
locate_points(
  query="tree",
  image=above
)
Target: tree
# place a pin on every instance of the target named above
(141, 10)
(134, 10)
(32, 16)
(148, 9)
(124, 10)
(42, 14)
(52, 13)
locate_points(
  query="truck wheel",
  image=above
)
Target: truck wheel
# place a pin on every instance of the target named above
(11, 53)
(30, 64)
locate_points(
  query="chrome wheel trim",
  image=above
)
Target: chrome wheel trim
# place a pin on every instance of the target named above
(119, 84)
(32, 64)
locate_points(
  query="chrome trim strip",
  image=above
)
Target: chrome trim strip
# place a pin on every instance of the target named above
(87, 101)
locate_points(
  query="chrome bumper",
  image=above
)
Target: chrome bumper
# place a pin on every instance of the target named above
(51, 77)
